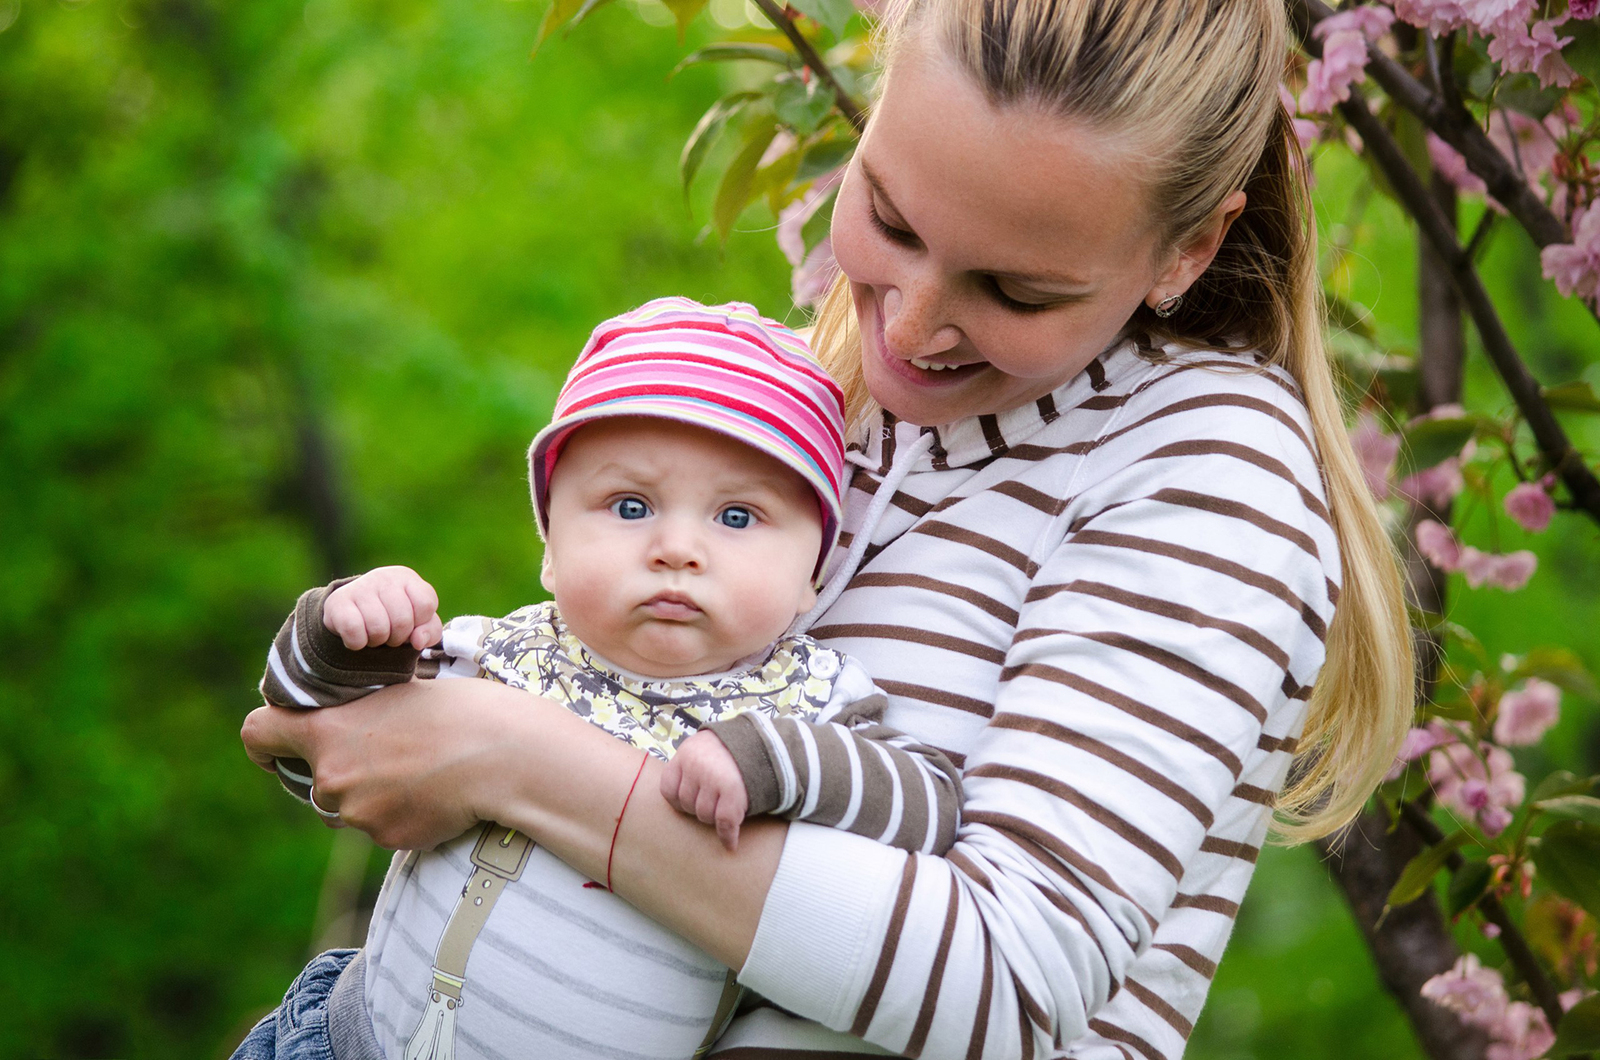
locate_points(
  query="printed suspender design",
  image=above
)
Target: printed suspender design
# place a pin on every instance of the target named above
(498, 859)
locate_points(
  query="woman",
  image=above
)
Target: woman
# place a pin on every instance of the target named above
(1102, 512)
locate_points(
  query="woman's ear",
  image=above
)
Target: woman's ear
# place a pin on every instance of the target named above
(1194, 257)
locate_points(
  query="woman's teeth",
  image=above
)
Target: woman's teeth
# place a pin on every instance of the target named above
(930, 366)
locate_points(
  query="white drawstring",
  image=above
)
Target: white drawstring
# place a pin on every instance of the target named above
(898, 470)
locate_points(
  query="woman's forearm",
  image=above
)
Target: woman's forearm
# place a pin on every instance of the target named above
(563, 782)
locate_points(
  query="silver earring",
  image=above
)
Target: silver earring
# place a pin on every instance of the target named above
(1168, 305)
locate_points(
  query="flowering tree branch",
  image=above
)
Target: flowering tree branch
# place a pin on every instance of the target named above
(847, 104)
(1511, 938)
(1548, 433)
(1452, 123)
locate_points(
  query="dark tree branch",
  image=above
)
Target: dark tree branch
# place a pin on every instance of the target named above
(1414, 943)
(847, 104)
(1550, 436)
(1511, 938)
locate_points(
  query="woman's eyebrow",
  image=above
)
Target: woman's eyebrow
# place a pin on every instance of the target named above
(1045, 279)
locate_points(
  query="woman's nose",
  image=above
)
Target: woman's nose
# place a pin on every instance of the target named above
(677, 545)
(916, 320)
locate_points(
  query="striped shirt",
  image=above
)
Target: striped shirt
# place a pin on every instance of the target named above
(561, 968)
(1108, 607)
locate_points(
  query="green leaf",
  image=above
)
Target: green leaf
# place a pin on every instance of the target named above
(1559, 666)
(706, 130)
(834, 14)
(1560, 783)
(1583, 808)
(589, 7)
(557, 16)
(684, 11)
(738, 183)
(1568, 859)
(1576, 396)
(802, 103)
(723, 53)
(816, 227)
(1432, 441)
(1421, 870)
(822, 158)
(1345, 315)
(1580, 1029)
(1522, 93)
(1583, 54)
(1467, 886)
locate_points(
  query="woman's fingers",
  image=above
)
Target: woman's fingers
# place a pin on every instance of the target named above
(270, 733)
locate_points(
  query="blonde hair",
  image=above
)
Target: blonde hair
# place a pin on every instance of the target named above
(1192, 87)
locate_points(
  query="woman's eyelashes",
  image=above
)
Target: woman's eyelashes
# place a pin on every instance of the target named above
(903, 236)
(906, 238)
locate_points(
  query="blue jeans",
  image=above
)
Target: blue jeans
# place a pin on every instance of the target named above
(298, 1028)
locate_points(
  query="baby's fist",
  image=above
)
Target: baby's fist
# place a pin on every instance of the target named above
(390, 605)
(703, 780)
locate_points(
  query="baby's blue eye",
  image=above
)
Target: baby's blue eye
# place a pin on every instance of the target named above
(738, 518)
(630, 508)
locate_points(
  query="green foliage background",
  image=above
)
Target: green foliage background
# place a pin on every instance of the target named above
(285, 289)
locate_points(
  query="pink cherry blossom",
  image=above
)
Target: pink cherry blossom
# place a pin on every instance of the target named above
(1509, 571)
(1344, 39)
(1452, 166)
(1305, 130)
(1438, 545)
(1473, 992)
(1438, 17)
(1375, 451)
(1530, 144)
(1491, 17)
(1527, 713)
(1575, 266)
(1568, 998)
(1520, 49)
(1418, 742)
(814, 272)
(1434, 487)
(1521, 1033)
(1581, 9)
(1530, 505)
(1486, 789)
(1370, 20)
(1328, 79)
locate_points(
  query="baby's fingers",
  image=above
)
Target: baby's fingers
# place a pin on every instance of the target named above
(398, 613)
(427, 634)
(728, 822)
(342, 617)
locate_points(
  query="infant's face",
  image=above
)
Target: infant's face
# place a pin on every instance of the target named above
(673, 550)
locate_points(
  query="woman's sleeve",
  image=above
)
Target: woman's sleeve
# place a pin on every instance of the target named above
(846, 769)
(1180, 616)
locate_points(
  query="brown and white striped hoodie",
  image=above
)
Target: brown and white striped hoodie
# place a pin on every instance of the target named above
(1108, 607)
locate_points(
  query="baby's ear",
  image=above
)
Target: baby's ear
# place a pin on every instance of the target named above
(547, 572)
(808, 599)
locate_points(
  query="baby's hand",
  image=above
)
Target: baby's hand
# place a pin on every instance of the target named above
(702, 779)
(390, 605)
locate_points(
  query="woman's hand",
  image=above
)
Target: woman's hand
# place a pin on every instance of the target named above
(407, 764)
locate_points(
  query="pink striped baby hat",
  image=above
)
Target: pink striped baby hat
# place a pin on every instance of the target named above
(726, 368)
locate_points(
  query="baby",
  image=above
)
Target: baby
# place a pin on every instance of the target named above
(688, 491)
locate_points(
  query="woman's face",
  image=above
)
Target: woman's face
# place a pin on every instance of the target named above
(992, 253)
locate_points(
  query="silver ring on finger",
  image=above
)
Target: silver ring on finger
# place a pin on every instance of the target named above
(332, 815)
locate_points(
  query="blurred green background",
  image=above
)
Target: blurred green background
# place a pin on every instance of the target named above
(285, 289)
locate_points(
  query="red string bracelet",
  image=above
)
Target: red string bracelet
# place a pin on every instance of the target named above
(613, 851)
